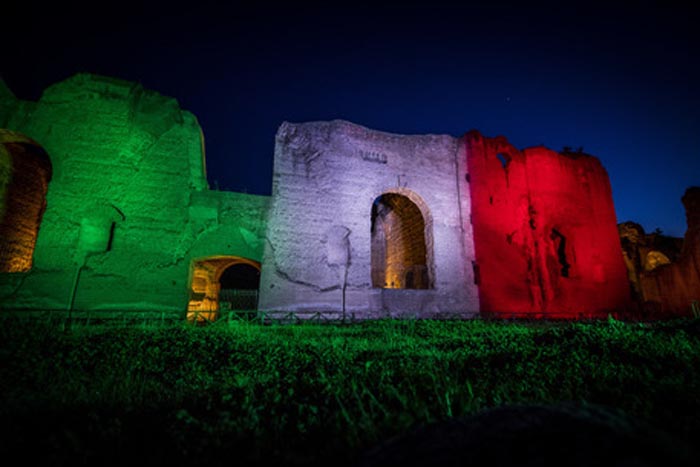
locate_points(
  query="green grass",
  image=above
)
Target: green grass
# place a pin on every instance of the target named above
(302, 393)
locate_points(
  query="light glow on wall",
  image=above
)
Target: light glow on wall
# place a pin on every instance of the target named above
(399, 252)
(205, 304)
(25, 171)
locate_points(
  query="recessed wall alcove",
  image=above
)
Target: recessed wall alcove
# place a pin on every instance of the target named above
(401, 242)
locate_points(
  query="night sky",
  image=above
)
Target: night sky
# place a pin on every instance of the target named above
(620, 82)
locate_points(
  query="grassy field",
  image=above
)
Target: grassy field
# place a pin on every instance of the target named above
(298, 394)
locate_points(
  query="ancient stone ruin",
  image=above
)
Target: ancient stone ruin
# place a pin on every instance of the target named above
(128, 216)
(664, 272)
(106, 207)
(365, 223)
(545, 231)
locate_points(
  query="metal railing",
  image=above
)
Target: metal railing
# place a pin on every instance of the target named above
(150, 318)
(238, 299)
(127, 318)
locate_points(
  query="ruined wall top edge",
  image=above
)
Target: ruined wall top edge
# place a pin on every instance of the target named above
(350, 129)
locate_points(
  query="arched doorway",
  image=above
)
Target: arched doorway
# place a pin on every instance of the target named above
(400, 242)
(222, 284)
(25, 172)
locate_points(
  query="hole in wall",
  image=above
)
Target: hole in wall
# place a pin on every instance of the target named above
(475, 268)
(504, 159)
(560, 248)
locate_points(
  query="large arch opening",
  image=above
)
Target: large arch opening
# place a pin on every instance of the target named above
(222, 284)
(25, 172)
(400, 243)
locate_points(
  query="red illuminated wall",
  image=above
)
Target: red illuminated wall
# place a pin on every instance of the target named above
(545, 232)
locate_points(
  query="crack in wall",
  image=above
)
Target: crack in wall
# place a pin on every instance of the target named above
(284, 275)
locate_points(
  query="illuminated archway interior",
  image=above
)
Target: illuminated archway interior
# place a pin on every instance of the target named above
(222, 283)
(25, 172)
(399, 254)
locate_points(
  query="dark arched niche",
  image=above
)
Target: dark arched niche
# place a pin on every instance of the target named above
(400, 256)
(25, 172)
(240, 276)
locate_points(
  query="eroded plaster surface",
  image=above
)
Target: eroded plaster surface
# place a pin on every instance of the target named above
(318, 251)
(361, 223)
(545, 232)
(665, 271)
(128, 208)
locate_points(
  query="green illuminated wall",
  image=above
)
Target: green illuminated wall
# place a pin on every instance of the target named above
(128, 200)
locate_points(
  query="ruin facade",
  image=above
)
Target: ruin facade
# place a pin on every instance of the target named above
(106, 206)
(545, 232)
(128, 213)
(368, 224)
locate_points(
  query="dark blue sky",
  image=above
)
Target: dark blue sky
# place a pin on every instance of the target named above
(619, 81)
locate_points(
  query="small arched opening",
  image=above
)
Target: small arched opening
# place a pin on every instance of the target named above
(25, 172)
(654, 259)
(401, 253)
(223, 285)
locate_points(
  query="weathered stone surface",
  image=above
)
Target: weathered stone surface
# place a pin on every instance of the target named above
(226, 229)
(361, 223)
(665, 276)
(544, 232)
(644, 252)
(128, 208)
(226, 223)
(318, 256)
